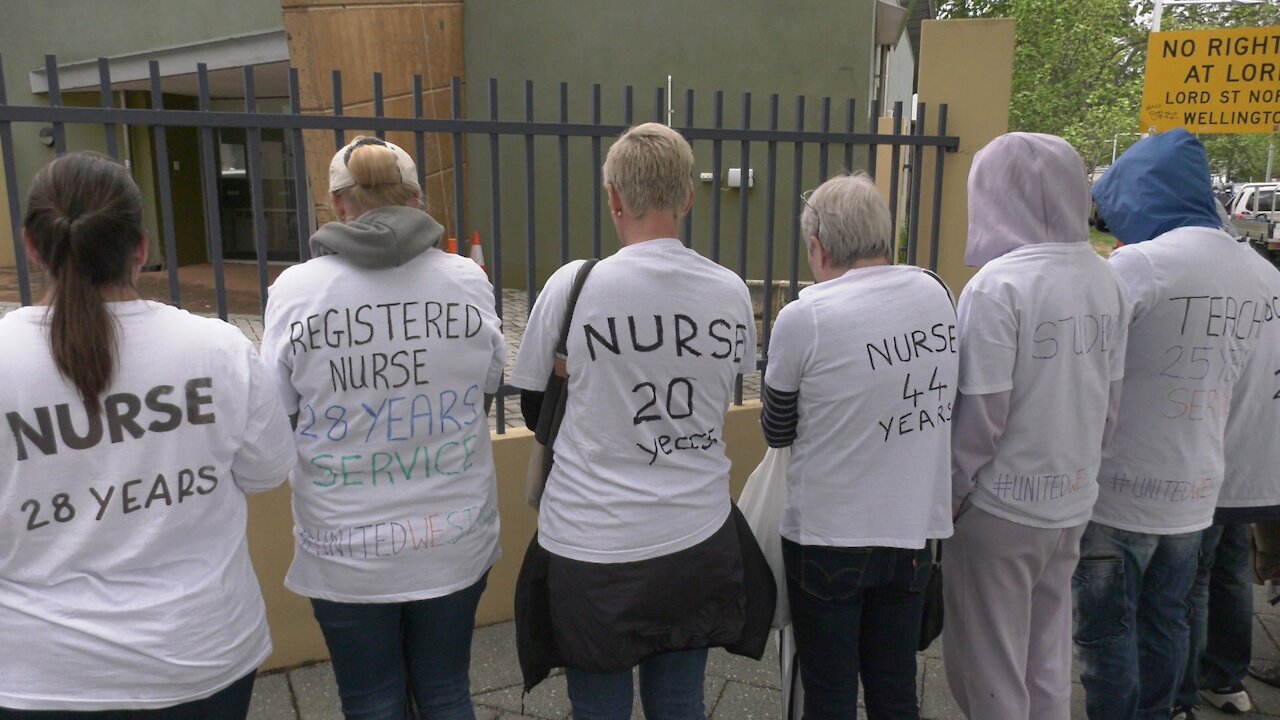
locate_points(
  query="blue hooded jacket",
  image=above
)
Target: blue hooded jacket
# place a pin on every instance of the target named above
(1160, 184)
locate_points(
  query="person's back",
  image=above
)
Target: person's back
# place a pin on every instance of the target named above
(640, 558)
(873, 353)
(386, 349)
(1042, 338)
(388, 371)
(125, 579)
(1070, 314)
(1197, 311)
(658, 337)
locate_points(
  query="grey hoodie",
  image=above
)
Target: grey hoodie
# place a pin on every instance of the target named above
(381, 238)
(1025, 189)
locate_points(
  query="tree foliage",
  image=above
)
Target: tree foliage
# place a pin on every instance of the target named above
(1078, 69)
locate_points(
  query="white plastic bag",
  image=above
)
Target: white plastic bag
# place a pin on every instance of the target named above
(761, 502)
(789, 669)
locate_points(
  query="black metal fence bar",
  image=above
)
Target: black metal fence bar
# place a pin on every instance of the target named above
(913, 204)
(104, 96)
(564, 176)
(455, 107)
(717, 173)
(338, 111)
(596, 183)
(11, 192)
(55, 100)
(939, 156)
(873, 126)
(530, 203)
(850, 106)
(688, 123)
(256, 198)
(771, 197)
(895, 160)
(301, 200)
(209, 172)
(744, 184)
(495, 168)
(420, 140)
(378, 105)
(823, 144)
(166, 188)
(495, 197)
(797, 205)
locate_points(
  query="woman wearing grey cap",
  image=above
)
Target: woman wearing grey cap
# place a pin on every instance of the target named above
(385, 348)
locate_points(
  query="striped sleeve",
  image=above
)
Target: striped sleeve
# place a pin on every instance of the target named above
(779, 416)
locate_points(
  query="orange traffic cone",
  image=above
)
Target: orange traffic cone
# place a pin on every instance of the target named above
(477, 252)
(451, 246)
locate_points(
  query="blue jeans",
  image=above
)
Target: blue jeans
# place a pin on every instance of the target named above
(670, 689)
(383, 651)
(229, 703)
(1132, 620)
(1221, 614)
(856, 613)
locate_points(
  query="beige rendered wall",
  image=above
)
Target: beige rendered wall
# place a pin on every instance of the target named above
(399, 38)
(293, 629)
(976, 91)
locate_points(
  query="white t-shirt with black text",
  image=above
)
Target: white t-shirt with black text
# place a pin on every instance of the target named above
(125, 579)
(658, 337)
(395, 495)
(873, 355)
(1048, 324)
(1250, 449)
(1198, 311)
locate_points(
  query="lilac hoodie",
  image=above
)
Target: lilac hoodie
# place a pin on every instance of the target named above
(1025, 189)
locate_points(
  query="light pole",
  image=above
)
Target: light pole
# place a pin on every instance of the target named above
(1115, 139)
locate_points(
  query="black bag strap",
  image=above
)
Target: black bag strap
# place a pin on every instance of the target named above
(562, 348)
(943, 283)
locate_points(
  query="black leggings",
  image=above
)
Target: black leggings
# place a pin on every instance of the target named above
(229, 703)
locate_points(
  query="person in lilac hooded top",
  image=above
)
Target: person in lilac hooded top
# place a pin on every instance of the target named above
(1042, 331)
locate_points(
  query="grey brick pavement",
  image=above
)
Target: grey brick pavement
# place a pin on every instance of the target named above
(736, 688)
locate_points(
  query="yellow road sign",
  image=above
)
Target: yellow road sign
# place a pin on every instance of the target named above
(1213, 81)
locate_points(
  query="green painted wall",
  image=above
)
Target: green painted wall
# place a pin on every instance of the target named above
(818, 48)
(87, 29)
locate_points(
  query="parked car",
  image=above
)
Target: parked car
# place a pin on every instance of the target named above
(1256, 201)
(1095, 219)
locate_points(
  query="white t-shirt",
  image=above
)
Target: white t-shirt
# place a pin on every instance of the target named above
(1251, 451)
(1198, 310)
(1046, 323)
(873, 355)
(125, 579)
(395, 496)
(658, 336)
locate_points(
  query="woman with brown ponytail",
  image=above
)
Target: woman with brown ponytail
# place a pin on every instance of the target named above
(132, 432)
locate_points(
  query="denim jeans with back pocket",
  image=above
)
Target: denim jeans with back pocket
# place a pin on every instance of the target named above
(1132, 620)
(856, 613)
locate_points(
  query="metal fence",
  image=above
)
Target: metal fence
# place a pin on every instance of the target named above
(467, 136)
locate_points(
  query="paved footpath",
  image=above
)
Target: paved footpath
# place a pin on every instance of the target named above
(736, 688)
